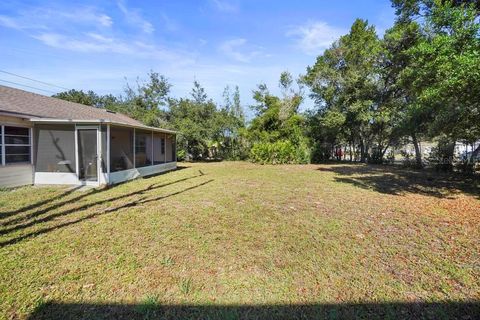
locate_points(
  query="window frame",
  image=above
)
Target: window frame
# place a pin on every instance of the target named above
(3, 145)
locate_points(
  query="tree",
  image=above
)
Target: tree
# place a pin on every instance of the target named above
(345, 80)
(445, 71)
(206, 130)
(409, 116)
(88, 98)
(146, 102)
(277, 134)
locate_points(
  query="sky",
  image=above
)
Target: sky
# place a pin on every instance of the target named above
(102, 45)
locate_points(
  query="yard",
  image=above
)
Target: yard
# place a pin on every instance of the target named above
(236, 240)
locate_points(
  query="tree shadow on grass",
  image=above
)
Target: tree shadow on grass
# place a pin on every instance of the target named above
(60, 200)
(79, 209)
(386, 310)
(55, 206)
(399, 181)
(6, 214)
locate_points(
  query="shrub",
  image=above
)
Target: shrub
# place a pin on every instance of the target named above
(181, 154)
(279, 152)
(321, 152)
(376, 157)
(442, 157)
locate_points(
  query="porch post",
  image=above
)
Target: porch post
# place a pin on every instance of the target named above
(165, 147)
(151, 151)
(134, 165)
(2, 160)
(108, 149)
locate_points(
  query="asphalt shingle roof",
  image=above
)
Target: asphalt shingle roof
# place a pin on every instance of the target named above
(31, 105)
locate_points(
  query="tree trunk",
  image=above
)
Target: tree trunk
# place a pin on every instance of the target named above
(351, 154)
(418, 154)
(362, 152)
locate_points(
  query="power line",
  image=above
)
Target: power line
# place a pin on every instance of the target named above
(42, 82)
(24, 85)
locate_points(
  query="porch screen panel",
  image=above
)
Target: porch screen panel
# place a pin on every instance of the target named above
(55, 148)
(121, 149)
(158, 148)
(174, 148)
(143, 148)
(170, 140)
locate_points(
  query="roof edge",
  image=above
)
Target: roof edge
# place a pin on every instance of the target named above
(99, 121)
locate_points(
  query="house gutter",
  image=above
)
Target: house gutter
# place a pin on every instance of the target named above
(100, 121)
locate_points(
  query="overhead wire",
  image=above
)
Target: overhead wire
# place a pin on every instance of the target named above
(26, 86)
(31, 79)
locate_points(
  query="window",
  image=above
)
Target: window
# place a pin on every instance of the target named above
(15, 146)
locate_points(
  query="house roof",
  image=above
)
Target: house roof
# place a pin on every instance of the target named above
(39, 108)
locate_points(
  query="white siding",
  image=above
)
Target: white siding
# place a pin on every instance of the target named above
(120, 176)
(16, 175)
(56, 178)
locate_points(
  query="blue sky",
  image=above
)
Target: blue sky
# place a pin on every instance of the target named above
(93, 45)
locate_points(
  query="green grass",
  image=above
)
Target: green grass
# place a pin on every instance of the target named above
(235, 240)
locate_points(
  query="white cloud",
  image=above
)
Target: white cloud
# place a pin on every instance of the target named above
(88, 30)
(233, 49)
(134, 17)
(47, 18)
(9, 22)
(97, 43)
(314, 37)
(105, 20)
(226, 6)
(86, 15)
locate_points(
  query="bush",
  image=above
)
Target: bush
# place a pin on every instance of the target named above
(181, 154)
(321, 152)
(279, 152)
(376, 157)
(442, 157)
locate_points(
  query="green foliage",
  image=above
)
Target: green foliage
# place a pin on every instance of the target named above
(277, 133)
(372, 95)
(442, 156)
(346, 85)
(417, 82)
(89, 98)
(186, 286)
(206, 130)
(147, 101)
(279, 152)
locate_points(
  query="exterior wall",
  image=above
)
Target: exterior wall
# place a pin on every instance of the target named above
(56, 178)
(121, 176)
(54, 156)
(16, 175)
(14, 121)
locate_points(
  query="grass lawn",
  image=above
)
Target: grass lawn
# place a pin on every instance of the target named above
(236, 240)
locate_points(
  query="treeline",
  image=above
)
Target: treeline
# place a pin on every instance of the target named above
(419, 82)
(206, 130)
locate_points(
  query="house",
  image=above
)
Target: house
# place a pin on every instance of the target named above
(45, 140)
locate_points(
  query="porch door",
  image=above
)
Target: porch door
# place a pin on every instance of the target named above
(87, 154)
